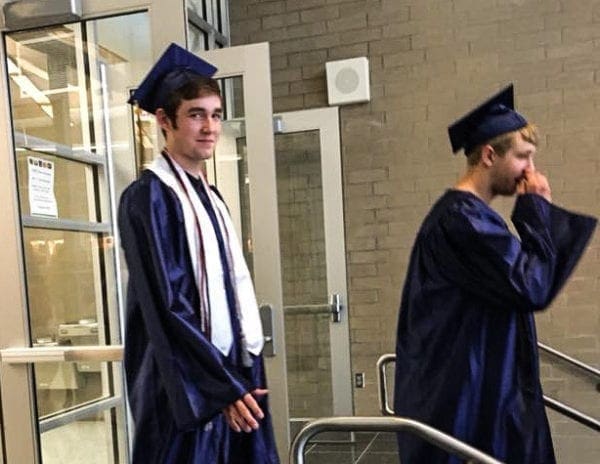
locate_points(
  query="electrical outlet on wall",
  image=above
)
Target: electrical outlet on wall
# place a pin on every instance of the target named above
(359, 380)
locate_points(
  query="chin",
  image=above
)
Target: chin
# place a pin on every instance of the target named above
(205, 156)
(506, 192)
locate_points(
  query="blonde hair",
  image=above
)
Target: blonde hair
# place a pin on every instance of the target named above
(503, 142)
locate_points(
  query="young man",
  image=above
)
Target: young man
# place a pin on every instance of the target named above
(467, 359)
(193, 339)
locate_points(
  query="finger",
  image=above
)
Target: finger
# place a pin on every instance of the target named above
(229, 414)
(528, 172)
(247, 420)
(251, 403)
(259, 392)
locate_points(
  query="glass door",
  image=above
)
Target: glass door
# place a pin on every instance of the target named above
(67, 84)
(315, 376)
(311, 224)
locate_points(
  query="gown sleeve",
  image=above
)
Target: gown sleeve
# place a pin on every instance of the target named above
(196, 377)
(487, 259)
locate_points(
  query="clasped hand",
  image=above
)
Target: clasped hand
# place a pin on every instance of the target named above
(244, 413)
(534, 182)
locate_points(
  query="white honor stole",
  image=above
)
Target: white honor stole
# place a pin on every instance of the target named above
(214, 290)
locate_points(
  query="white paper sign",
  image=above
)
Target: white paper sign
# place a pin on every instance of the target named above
(42, 201)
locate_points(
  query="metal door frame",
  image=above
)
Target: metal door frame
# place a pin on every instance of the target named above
(326, 121)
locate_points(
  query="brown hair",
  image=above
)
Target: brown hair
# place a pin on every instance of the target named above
(195, 86)
(503, 142)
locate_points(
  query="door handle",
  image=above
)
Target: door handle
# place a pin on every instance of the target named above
(266, 318)
(336, 307)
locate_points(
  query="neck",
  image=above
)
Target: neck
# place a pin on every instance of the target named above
(473, 182)
(189, 165)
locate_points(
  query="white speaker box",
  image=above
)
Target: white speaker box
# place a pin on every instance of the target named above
(348, 81)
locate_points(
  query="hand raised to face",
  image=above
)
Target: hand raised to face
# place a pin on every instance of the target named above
(534, 181)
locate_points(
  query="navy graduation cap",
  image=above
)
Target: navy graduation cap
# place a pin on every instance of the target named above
(494, 117)
(172, 70)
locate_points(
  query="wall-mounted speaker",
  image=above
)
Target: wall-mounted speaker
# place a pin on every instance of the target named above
(348, 81)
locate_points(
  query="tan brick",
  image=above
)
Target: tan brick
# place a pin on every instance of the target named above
(315, 100)
(363, 296)
(266, 8)
(286, 75)
(349, 22)
(279, 21)
(295, 5)
(362, 270)
(384, 17)
(307, 57)
(383, 47)
(323, 13)
(360, 244)
(288, 103)
(308, 85)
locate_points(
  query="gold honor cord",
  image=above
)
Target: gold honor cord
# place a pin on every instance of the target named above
(140, 140)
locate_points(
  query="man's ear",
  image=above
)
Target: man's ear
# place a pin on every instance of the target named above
(162, 119)
(487, 155)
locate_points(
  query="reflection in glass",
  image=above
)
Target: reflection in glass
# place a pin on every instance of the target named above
(122, 56)
(67, 294)
(69, 177)
(86, 440)
(198, 7)
(197, 39)
(228, 171)
(47, 90)
(63, 386)
(64, 279)
(303, 267)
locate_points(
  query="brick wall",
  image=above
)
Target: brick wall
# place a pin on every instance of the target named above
(430, 61)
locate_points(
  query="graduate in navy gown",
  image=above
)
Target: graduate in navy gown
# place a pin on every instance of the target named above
(193, 344)
(467, 358)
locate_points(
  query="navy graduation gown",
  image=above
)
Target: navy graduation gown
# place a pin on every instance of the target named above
(467, 359)
(177, 380)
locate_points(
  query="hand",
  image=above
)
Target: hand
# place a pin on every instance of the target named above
(243, 413)
(534, 182)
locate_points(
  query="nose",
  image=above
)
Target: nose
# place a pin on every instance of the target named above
(531, 165)
(208, 125)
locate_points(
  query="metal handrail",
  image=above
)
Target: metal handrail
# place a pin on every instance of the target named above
(565, 357)
(385, 424)
(550, 402)
(573, 413)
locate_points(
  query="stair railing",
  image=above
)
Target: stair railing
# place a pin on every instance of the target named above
(550, 402)
(385, 424)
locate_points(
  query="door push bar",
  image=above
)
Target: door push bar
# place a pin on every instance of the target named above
(101, 353)
(334, 307)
